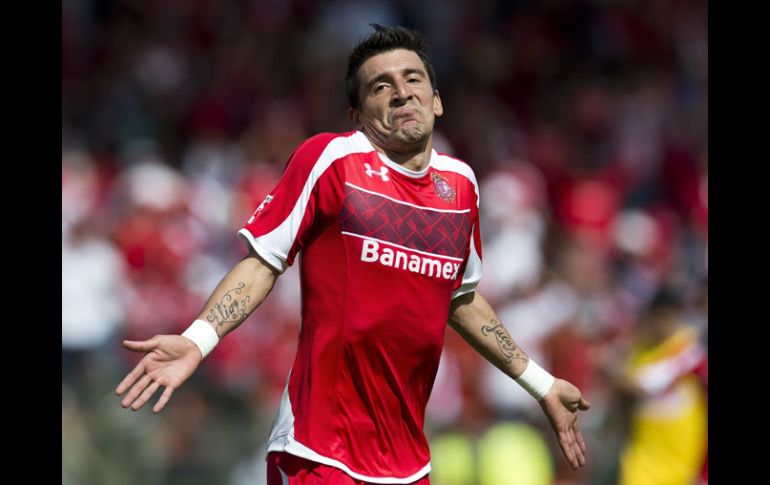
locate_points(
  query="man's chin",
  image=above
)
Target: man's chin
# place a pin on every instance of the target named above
(411, 134)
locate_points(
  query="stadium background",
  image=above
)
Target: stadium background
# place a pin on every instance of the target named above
(586, 124)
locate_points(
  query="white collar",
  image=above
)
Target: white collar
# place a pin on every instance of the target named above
(398, 167)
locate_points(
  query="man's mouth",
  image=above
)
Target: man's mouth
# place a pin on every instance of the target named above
(404, 112)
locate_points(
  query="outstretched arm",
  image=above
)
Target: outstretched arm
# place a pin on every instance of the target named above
(171, 359)
(477, 323)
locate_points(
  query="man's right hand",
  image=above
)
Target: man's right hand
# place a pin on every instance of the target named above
(169, 361)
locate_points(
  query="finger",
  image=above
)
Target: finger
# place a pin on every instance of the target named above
(163, 399)
(576, 448)
(576, 451)
(130, 378)
(579, 437)
(146, 395)
(141, 346)
(579, 455)
(135, 391)
(565, 443)
(584, 405)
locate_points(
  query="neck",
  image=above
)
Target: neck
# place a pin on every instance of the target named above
(414, 158)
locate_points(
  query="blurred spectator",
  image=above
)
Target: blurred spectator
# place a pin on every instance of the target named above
(513, 230)
(586, 123)
(93, 284)
(505, 442)
(460, 459)
(452, 459)
(668, 422)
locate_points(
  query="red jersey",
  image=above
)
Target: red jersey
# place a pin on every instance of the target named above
(383, 251)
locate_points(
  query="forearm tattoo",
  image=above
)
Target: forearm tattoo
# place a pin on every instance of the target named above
(504, 341)
(230, 309)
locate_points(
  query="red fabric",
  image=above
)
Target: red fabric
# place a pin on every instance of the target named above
(300, 471)
(371, 333)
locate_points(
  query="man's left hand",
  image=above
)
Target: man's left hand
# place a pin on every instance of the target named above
(561, 405)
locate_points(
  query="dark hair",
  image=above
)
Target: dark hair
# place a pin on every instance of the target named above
(384, 39)
(665, 300)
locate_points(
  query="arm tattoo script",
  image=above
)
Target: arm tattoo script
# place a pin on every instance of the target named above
(229, 309)
(504, 341)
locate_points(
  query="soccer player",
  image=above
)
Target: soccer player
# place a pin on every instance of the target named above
(387, 231)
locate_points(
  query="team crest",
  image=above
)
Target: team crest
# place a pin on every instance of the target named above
(443, 189)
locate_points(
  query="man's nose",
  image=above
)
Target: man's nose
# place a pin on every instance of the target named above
(401, 93)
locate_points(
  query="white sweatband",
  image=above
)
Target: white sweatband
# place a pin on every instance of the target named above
(535, 380)
(203, 335)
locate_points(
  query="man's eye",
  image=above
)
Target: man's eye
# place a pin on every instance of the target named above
(413, 80)
(379, 87)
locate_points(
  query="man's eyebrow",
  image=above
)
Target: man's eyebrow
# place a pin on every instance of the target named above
(405, 72)
(414, 71)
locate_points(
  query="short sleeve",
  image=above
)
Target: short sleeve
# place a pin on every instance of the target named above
(278, 228)
(472, 264)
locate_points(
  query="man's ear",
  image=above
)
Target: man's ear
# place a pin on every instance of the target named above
(438, 107)
(355, 116)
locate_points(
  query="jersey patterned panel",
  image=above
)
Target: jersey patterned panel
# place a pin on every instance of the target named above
(382, 250)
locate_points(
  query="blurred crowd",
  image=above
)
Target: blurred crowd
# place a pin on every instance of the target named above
(586, 124)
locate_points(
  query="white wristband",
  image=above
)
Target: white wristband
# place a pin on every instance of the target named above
(535, 380)
(203, 335)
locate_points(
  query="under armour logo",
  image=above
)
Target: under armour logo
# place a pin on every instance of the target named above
(383, 173)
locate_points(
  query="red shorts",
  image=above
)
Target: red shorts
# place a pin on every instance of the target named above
(286, 469)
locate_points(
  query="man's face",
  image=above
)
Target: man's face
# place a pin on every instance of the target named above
(398, 104)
